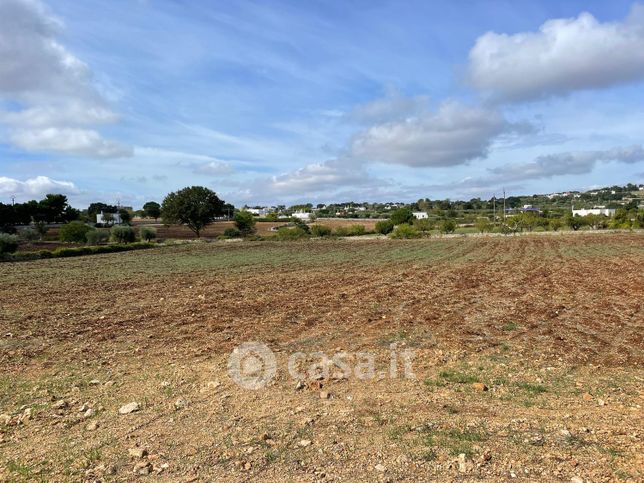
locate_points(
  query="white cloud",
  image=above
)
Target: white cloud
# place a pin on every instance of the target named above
(563, 56)
(454, 134)
(73, 113)
(213, 168)
(74, 141)
(34, 187)
(579, 162)
(53, 87)
(393, 106)
(313, 181)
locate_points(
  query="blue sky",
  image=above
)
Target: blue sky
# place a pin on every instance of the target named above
(284, 102)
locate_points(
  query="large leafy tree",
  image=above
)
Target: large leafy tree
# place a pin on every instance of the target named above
(152, 209)
(194, 206)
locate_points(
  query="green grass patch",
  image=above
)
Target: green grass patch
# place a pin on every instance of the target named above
(451, 375)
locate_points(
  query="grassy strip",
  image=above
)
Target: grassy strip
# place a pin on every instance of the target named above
(76, 252)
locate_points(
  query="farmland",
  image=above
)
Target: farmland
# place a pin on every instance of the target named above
(527, 361)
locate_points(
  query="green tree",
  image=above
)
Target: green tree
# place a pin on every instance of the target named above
(555, 224)
(194, 206)
(402, 215)
(574, 222)
(152, 209)
(245, 222)
(74, 232)
(126, 216)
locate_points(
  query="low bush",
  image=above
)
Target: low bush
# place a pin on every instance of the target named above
(8, 243)
(320, 230)
(384, 227)
(296, 233)
(232, 233)
(405, 231)
(29, 234)
(352, 230)
(96, 237)
(122, 234)
(447, 226)
(74, 232)
(423, 224)
(75, 252)
(147, 233)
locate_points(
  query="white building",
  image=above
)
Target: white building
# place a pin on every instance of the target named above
(596, 210)
(420, 215)
(302, 215)
(259, 211)
(116, 219)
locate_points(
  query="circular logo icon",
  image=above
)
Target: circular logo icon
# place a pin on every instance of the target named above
(252, 365)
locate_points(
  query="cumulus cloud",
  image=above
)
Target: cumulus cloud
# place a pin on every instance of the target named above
(579, 162)
(74, 141)
(51, 86)
(454, 134)
(34, 187)
(563, 56)
(311, 182)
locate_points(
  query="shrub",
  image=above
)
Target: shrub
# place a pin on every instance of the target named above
(29, 234)
(447, 226)
(122, 234)
(8, 243)
(291, 233)
(384, 227)
(352, 230)
(342, 231)
(41, 228)
(402, 215)
(147, 233)
(245, 222)
(423, 224)
(320, 230)
(404, 231)
(231, 232)
(300, 224)
(483, 225)
(96, 237)
(555, 224)
(74, 232)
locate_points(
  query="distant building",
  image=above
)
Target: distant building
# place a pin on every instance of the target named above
(258, 211)
(530, 209)
(302, 215)
(596, 210)
(115, 218)
(420, 215)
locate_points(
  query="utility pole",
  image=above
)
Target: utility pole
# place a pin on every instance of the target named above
(494, 209)
(504, 205)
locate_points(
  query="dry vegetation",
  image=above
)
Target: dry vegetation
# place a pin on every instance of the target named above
(551, 326)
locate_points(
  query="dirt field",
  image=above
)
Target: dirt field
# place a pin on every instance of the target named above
(527, 356)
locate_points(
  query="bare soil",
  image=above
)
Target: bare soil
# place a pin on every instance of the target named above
(527, 357)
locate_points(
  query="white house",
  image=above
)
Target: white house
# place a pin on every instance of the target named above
(258, 211)
(116, 219)
(302, 215)
(596, 210)
(420, 215)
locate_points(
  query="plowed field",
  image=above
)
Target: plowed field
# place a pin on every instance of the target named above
(526, 353)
